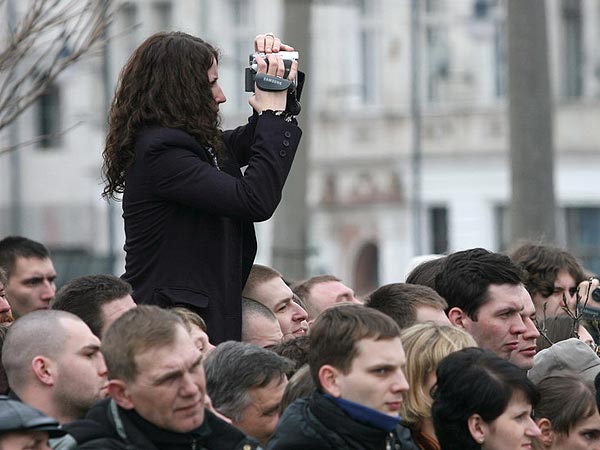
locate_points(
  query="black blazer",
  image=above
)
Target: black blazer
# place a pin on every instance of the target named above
(189, 229)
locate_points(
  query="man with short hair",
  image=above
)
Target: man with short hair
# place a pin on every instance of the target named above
(259, 324)
(30, 274)
(97, 299)
(265, 285)
(25, 428)
(486, 297)
(53, 363)
(408, 304)
(356, 361)
(157, 390)
(246, 384)
(322, 291)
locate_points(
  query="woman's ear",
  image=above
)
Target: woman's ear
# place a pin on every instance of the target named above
(477, 428)
(547, 436)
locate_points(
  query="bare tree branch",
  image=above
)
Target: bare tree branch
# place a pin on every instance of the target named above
(38, 139)
(49, 37)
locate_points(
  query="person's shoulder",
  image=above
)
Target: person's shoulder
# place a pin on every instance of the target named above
(164, 137)
(300, 429)
(224, 435)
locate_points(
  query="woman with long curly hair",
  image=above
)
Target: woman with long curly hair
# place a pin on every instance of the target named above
(187, 207)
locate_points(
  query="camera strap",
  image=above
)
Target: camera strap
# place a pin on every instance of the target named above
(271, 83)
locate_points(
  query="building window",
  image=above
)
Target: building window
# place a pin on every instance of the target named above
(583, 235)
(572, 48)
(128, 15)
(438, 229)
(242, 33)
(163, 13)
(368, 42)
(49, 119)
(436, 49)
(500, 58)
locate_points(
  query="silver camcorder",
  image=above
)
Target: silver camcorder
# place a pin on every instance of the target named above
(288, 58)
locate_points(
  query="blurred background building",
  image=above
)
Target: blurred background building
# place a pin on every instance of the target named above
(358, 219)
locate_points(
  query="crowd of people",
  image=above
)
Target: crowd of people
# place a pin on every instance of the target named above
(197, 347)
(453, 363)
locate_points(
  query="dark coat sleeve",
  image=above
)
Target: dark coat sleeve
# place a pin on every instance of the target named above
(174, 172)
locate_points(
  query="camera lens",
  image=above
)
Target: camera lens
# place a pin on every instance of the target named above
(596, 295)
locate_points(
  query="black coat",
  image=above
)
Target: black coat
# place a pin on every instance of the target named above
(317, 423)
(189, 228)
(108, 427)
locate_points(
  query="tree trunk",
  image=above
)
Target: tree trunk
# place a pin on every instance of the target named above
(291, 218)
(532, 209)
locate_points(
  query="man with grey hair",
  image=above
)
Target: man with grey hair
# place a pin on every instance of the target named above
(53, 363)
(246, 384)
(259, 324)
(157, 389)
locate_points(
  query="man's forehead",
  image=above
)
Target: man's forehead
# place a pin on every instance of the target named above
(273, 291)
(33, 265)
(505, 293)
(161, 358)
(372, 348)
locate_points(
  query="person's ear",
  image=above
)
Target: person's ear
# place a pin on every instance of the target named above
(547, 436)
(457, 317)
(477, 427)
(117, 389)
(44, 370)
(328, 377)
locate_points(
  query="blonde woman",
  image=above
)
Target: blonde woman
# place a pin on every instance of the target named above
(426, 344)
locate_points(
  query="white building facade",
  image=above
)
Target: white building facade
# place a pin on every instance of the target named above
(360, 223)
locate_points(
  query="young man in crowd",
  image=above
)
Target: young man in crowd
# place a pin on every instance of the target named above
(408, 304)
(53, 363)
(259, 324)
(98, 300)
(30, 274)
(356, 361)
(265, 285)
(486, 297)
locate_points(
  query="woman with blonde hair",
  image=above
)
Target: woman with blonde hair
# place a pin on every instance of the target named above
(425, 345)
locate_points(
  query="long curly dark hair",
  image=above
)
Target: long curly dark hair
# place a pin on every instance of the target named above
(164, 83)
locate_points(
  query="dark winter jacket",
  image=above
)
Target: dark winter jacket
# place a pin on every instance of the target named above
(189, 219)
(109, 427)
(317, 423)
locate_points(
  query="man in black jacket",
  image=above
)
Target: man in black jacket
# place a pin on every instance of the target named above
(356, 361)
(157, 389)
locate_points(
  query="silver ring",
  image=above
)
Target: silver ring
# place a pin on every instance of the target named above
(270, 34)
